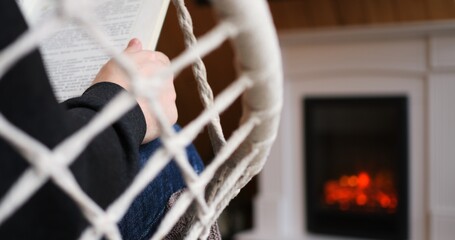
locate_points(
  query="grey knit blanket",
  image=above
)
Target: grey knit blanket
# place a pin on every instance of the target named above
(181, 228)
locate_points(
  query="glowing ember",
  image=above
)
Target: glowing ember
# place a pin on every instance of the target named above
(362, 192)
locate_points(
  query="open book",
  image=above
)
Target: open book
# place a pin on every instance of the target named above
(72, 59)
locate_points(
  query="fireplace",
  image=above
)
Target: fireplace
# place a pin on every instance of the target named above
(356, 166)
(411, 64)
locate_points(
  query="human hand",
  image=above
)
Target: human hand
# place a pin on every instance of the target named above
(147, 63)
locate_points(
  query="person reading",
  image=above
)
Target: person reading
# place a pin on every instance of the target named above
(106, 168)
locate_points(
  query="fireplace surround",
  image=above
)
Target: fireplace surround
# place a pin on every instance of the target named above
(413, 61)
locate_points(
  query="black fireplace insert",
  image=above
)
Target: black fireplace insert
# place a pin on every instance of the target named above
(356, 166)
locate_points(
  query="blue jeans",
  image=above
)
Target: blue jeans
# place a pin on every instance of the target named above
(146, 212)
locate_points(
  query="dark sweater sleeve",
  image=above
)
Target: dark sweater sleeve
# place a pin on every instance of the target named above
(111, 160)
(103, 170)
(130, 128)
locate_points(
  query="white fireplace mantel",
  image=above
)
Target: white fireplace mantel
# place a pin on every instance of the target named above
(415, 60)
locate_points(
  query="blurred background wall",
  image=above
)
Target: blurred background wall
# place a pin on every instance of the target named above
(289, 15)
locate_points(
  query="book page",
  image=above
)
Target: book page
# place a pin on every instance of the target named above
(149, 20)
(72, 59)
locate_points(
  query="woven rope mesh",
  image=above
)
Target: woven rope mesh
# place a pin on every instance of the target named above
(237, 159)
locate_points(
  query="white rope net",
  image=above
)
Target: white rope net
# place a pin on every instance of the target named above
(248, 24)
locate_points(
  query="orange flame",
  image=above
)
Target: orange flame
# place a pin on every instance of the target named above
(361, 192)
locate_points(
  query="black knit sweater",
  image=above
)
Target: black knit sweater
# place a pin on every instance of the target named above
(105, 168)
